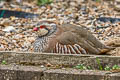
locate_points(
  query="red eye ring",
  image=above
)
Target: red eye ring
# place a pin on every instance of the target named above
(42, 26)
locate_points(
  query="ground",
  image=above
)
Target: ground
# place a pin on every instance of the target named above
(84, 14)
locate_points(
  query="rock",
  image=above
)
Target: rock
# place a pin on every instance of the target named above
(72, 3)
(42, 66)
(1, 4)
(9, 29)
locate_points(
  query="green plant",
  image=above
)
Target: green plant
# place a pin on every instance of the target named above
(97, 0)
(43, 2)
(100, 66)
(2, 0)
(4, 62)
(116, 67)
(107, 68)
(80, 66)
(89, 68)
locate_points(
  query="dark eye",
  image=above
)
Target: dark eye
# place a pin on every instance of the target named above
(42, 26)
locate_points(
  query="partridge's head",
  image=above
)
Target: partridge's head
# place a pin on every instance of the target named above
(45, 28)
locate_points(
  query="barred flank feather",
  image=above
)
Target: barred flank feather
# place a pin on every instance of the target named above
(68, 49)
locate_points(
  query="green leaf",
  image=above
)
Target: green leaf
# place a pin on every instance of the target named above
(80, 66)
(107, 68)
(116, 67)
(100, 66)
(4, 62)
(89, 68)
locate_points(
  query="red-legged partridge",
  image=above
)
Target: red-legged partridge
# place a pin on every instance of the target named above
(66, 39)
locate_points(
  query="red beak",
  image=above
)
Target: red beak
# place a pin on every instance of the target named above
(35, 29)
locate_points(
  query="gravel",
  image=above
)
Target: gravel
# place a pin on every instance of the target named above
(16, 34)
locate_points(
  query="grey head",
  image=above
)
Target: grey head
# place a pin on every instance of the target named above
(45, 28)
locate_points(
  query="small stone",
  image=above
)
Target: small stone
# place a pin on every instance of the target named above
(49, 65)
(31, 39)
(2, 33)
(19, 1)
(9, 29)
(1, 46)
(7, 34)
(72, 3)
(18, 36)
(13, 6)
(42, 66)
(2, 4)
(14, 41)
